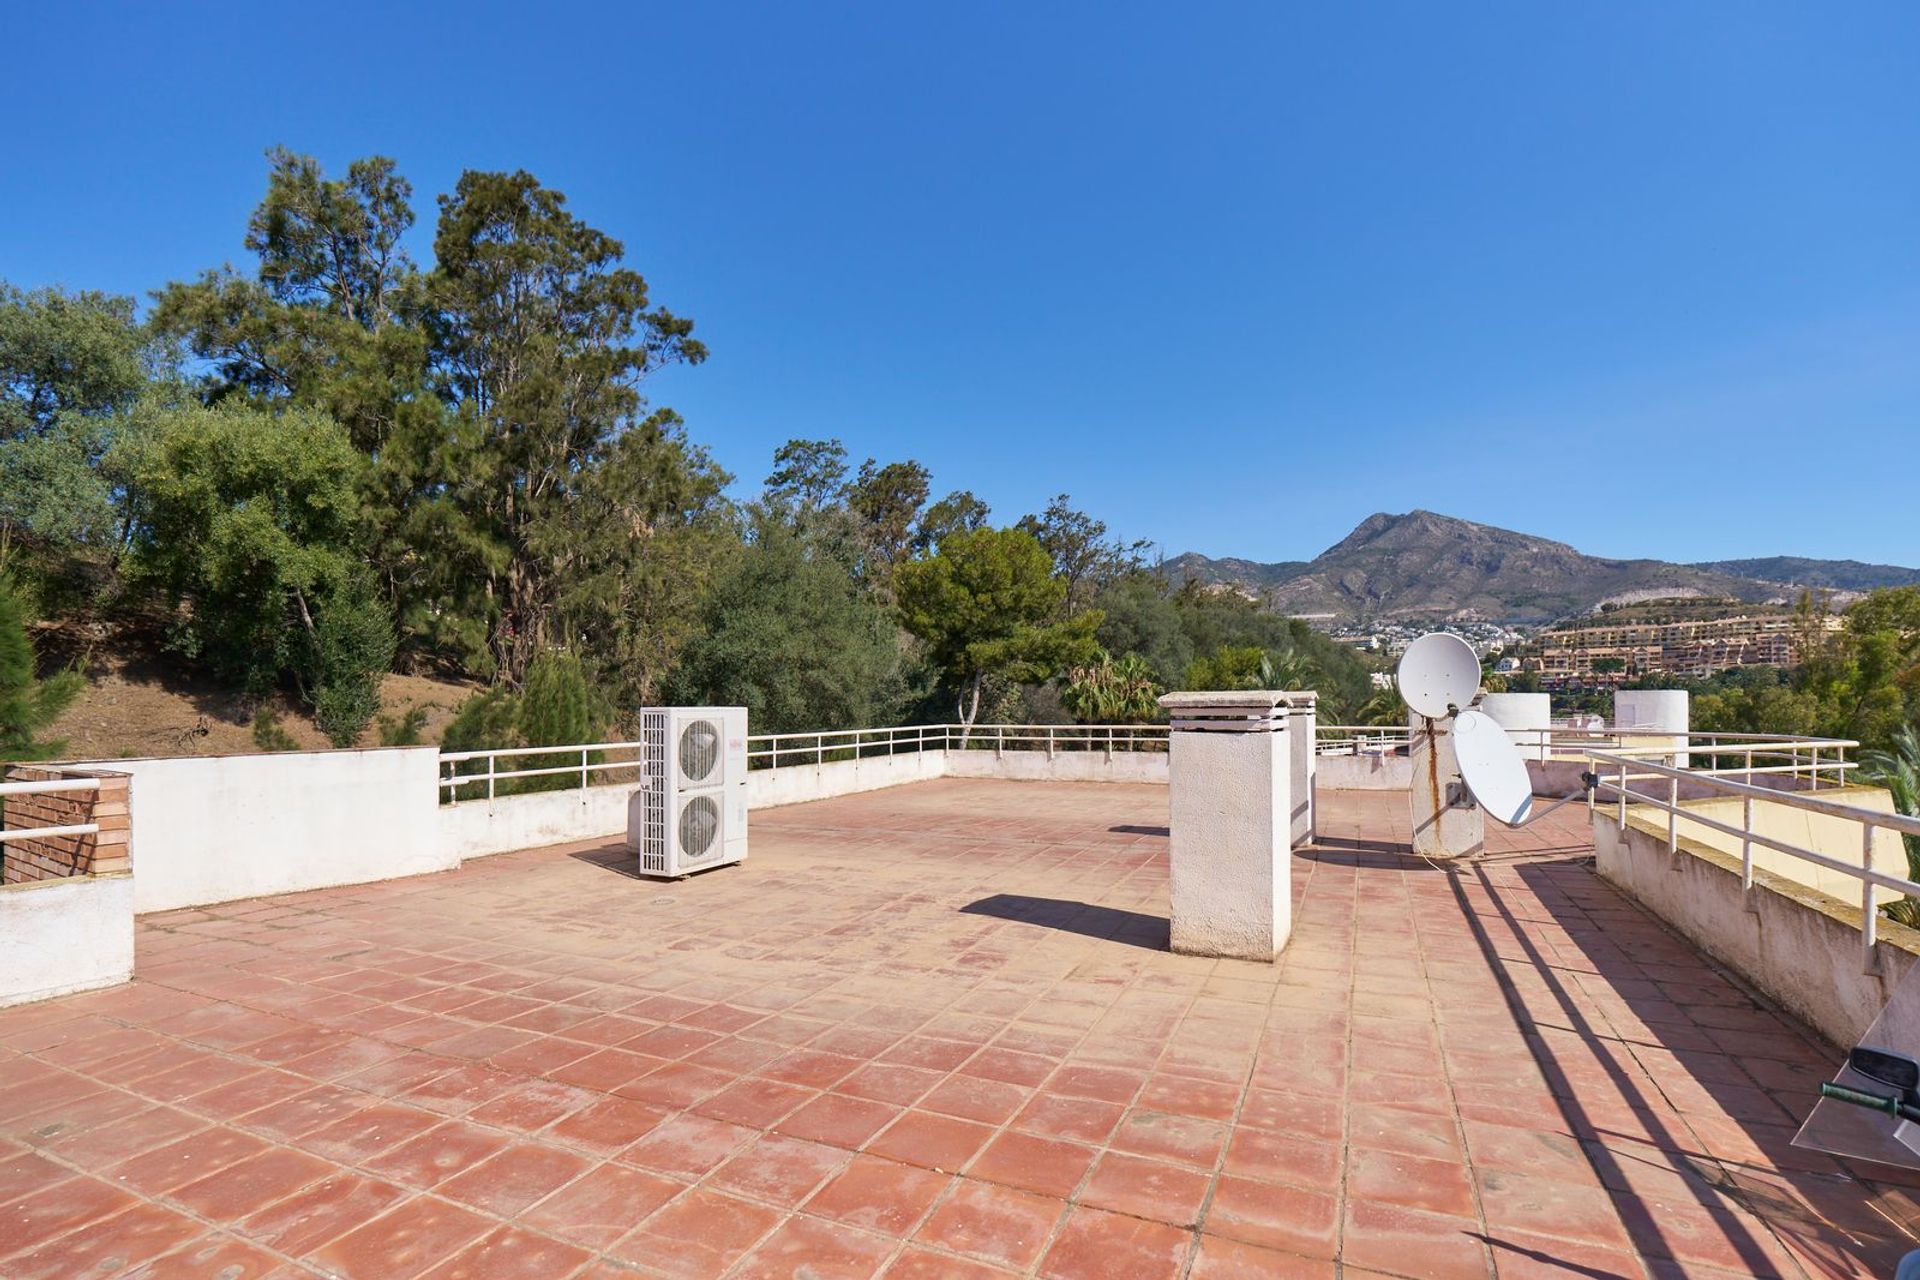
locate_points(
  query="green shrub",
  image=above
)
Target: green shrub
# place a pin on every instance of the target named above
(27, 704)
(268, 735)
(403, 730)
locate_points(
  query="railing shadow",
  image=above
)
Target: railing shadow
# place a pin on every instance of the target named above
(1653, 1099)
(1111, 924)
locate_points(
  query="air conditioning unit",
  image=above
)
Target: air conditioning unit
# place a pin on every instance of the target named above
(691, 810)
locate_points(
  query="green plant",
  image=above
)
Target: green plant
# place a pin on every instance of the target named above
(987, 604)
(1109, 690)
(267, 733)
(27, 704)
(1385, 707)
(487, 721)
(1898, 770)
(1251, 667)
(353, 650)
(555, 708)
(403, 730)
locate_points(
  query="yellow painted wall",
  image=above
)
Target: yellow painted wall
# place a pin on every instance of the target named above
(1835, 837)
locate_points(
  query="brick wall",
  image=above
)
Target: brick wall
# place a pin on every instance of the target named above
(54, 857)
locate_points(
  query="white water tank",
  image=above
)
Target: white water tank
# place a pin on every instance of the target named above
(1653, 718)
(1527, 718)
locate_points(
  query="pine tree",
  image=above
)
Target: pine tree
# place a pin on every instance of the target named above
(27, 705)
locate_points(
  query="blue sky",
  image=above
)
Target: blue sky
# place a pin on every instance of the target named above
(1638, 277)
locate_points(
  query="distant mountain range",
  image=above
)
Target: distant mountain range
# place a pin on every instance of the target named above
(1427, 566)
(1839, 575)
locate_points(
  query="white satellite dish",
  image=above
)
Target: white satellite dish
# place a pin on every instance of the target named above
(1439, 674)
(1491, 768)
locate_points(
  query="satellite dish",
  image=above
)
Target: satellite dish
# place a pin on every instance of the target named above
(1439, 673)
(1491, 768)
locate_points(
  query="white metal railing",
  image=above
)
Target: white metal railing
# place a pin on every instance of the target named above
(779, 750)
(1360, 739)
(1055, 738)
(453, 779)
(475, 775)
(1618, 771)
(1574, 743)
(48, 788)
(1821, 760)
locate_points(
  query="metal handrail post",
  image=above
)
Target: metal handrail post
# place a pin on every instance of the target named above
(1746, 855)
(1673, 816)
(1869, 920)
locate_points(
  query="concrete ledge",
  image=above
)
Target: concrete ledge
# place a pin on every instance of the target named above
(1799, 946)
(1061, 766)
(221, 828)
(799, 783)
(62, 936)
(1364, 773)
(477, 828)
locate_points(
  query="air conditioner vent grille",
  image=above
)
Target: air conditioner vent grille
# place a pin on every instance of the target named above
(699, 750)
(699, 828)
(653, 790)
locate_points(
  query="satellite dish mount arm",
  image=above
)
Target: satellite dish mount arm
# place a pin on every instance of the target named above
(1588, 782)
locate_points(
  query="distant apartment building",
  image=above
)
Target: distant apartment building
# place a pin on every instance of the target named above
(1602, 653)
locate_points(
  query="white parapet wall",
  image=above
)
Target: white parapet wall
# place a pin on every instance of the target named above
(219, 828)
(211, 829)
(1364, 773)
(476, 828)
(65, 935)
(1800, 946)
(798, 783)
(1060, 766)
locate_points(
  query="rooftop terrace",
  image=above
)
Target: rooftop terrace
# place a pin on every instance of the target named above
(929, 1031)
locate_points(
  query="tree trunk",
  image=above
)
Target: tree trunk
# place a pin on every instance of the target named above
(969, 707)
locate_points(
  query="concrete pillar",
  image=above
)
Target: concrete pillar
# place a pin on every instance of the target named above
(1527, 718)
(1231, 821)
(1653, 718)
(1445, 825)
(1302, 735)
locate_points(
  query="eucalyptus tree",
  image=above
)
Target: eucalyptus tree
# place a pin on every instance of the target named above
(556, 481)
(1083, 554)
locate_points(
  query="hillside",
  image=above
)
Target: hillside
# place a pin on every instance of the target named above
(1425, 565)
(139, 703)
(1798, 571)
(1231, 571)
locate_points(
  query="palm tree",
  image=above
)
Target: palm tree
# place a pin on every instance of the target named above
(1385, 707)
(1288, 671)
(1109, 690)
(1898, 771)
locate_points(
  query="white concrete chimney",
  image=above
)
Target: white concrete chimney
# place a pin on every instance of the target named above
(1231, 823)
(1302, 736)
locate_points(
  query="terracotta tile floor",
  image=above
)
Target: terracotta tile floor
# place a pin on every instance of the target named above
(927, 1032)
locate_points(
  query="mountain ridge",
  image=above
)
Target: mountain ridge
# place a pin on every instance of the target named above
(1800, 571)
(1424, 565)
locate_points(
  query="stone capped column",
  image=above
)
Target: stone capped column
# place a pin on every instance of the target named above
(1231, 824)
(1302, 747)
